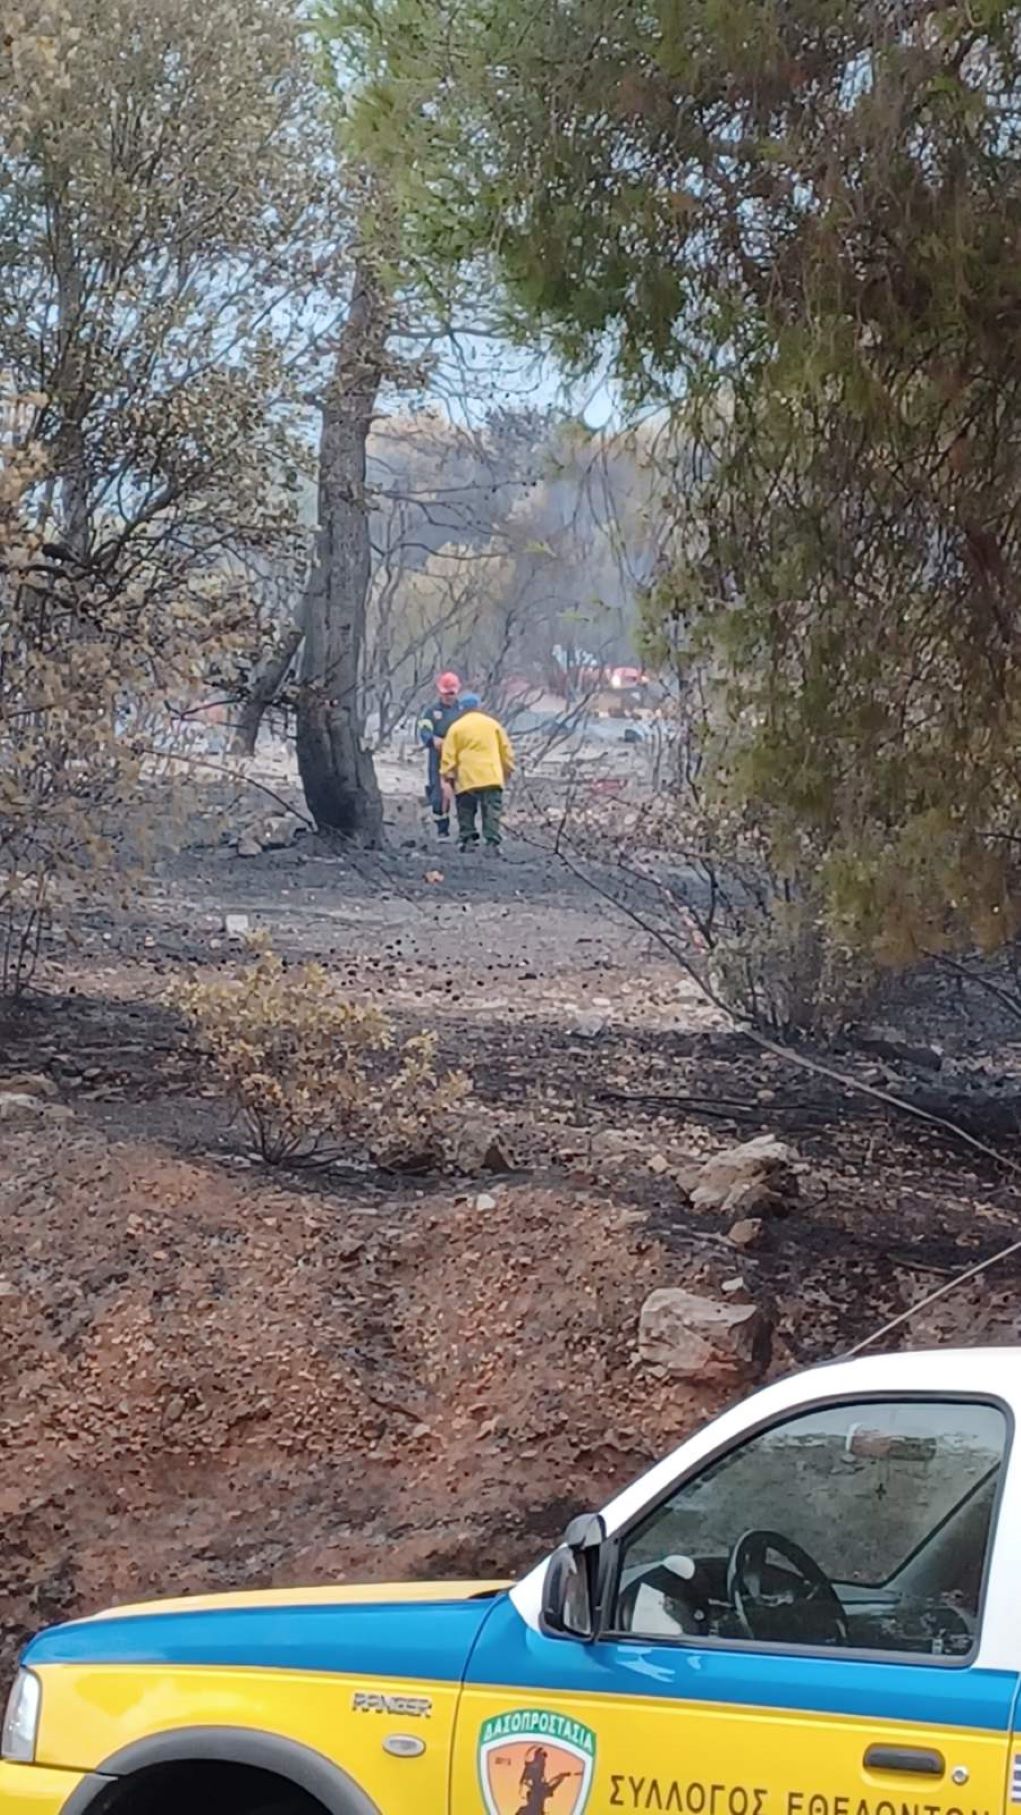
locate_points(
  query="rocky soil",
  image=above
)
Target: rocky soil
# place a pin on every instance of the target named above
(215, 1375)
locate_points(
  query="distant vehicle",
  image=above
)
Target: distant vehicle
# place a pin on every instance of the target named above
(809, 1608)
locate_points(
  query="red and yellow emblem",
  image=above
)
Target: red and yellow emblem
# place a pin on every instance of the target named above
(534, 1762)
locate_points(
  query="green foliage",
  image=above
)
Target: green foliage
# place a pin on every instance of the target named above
(798, 228)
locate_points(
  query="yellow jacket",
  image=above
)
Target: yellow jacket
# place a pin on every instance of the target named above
(476, 753)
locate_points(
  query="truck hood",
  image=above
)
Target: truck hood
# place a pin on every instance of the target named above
(410, 1630)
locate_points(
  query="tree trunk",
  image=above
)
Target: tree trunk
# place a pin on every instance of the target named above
(268, 677)
(337, 771)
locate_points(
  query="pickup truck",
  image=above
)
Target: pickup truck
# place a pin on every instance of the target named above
(812, 1607)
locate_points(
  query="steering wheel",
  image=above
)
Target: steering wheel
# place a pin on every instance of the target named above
(769, 1613)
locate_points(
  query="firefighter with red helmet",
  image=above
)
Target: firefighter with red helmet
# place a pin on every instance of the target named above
(432, 729)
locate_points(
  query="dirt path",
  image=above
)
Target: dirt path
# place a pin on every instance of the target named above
(211, 1374)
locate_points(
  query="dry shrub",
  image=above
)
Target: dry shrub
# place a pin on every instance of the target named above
(317, 1076)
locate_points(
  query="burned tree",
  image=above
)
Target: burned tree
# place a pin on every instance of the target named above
(337, 771)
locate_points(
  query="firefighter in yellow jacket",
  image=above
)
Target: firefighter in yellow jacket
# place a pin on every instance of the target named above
(477, 760)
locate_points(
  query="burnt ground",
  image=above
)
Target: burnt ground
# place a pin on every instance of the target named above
(213, 1374)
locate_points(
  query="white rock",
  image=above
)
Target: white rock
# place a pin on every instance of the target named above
(236, 925)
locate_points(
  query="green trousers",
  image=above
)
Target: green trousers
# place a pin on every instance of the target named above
(486, 803)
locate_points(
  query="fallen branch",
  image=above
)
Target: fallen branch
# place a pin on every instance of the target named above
(720, 1109)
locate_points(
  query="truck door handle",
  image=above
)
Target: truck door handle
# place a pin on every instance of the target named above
(911, 1760)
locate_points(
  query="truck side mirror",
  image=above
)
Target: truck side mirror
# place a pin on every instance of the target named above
(568, 1593)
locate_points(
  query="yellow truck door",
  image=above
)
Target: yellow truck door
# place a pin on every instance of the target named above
(792, 1625)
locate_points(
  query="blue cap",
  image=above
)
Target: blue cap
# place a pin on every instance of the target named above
(469, 699)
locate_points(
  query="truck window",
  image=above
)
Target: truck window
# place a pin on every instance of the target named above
(863, 1526)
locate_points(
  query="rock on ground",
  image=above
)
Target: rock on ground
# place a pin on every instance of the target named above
(755, 1178)
(30, 1084)
(19, 1107)
(478, 1147)
(270, 832)
(747, 1232)
(277, 832)
(700, 1339)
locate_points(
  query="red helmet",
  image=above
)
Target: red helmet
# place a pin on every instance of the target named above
(448, 683)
